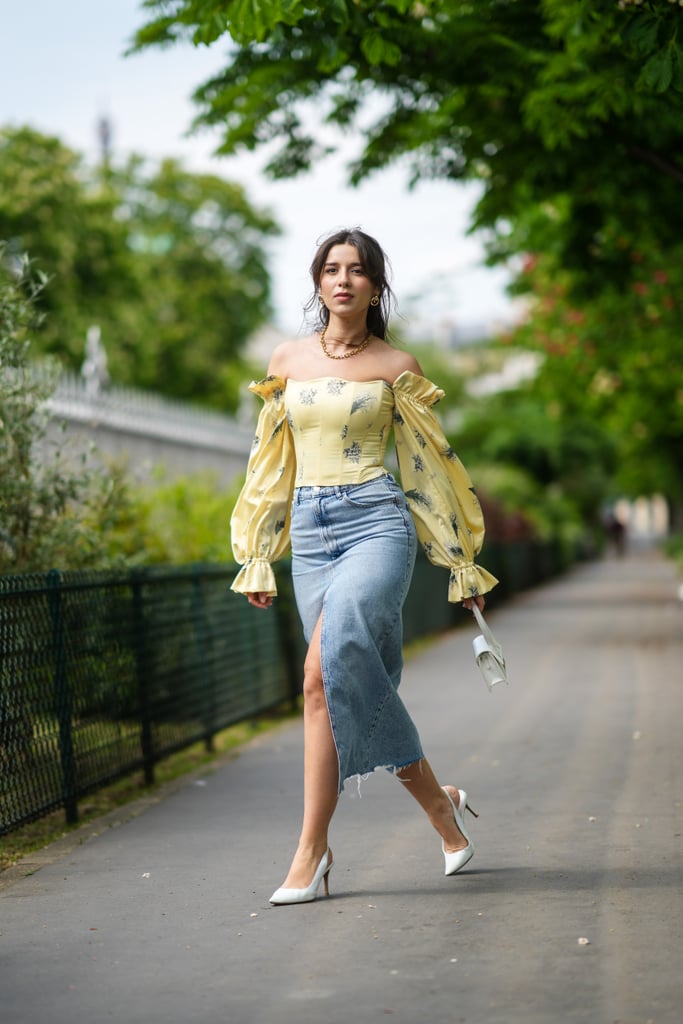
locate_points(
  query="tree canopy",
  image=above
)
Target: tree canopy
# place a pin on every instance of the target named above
(170, 264)
(536, 99)
(616, 360)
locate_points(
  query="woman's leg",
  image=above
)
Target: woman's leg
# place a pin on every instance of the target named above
(420, 781)
(321, 772)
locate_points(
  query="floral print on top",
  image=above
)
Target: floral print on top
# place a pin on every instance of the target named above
(332, 431)
(339, 429)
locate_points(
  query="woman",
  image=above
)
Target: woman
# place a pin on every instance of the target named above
(316, 476)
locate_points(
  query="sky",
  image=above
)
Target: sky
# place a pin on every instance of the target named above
(62, 69)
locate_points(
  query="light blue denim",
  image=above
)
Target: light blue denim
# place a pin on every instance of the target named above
(353, 552)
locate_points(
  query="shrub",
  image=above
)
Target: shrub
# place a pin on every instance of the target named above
(50, 513)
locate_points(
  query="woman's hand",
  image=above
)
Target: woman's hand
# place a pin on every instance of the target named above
(467, 603)
(260, 599)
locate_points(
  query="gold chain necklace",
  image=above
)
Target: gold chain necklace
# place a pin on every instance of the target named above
(347, 355)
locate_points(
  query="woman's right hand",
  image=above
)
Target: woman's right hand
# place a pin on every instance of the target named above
(260, 599)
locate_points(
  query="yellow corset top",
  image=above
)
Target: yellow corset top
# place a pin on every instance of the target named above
(340, 429)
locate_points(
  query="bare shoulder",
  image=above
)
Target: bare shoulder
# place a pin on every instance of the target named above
(287, 356)
(402, 361)
(278, 359)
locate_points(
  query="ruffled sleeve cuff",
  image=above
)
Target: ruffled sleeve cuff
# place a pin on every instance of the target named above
(255, 577)
(469, 580)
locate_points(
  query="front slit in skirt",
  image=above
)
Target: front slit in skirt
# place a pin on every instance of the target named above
(353, 552)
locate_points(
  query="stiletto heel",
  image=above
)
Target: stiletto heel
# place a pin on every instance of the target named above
(468, 806)
(283, 896)
(457, 860)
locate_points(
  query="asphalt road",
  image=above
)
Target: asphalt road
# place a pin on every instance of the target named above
(569, 911)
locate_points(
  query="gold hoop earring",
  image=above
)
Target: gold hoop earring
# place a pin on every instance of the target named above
(321, 301)
(374, 301)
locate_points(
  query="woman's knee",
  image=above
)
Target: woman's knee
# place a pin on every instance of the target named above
(313, 682)
(313, 689)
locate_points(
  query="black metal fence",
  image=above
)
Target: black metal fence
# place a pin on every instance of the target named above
(102, 674)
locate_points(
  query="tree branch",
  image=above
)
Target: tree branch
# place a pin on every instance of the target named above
(668, 167)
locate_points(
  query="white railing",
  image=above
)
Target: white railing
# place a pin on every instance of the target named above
(130, 411)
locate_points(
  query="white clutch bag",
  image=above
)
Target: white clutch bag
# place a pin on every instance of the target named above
(488, 653)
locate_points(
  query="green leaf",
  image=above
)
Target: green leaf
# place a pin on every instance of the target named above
(677, 56)
(338, 11)
(658, 71)
(331, 56)
(250, 20)
(642, 32)
(377, 50)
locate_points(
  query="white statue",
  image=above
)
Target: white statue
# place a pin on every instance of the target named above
(94, 369)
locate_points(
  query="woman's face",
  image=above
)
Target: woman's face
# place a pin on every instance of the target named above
(344, 285)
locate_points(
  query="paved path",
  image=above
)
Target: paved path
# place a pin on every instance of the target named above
(576, 770)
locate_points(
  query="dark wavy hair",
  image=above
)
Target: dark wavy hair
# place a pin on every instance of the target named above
(376, 265)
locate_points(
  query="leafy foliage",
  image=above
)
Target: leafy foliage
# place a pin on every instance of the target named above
(51, 513)
(536, 99)
(555, 468)
(615, 361)
(173, 521)
(170, 264)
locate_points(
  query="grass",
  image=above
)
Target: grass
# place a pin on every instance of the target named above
(41, 833)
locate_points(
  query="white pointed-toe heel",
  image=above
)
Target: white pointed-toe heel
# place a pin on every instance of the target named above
(457, 860)
(282, 896)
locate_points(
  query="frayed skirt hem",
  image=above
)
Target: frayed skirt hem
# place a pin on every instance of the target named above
(394, 769)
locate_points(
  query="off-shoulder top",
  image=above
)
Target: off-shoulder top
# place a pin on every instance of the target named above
(340, 429)
(332, 431)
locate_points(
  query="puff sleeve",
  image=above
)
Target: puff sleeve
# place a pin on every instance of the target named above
(260, 521)
(440, 495)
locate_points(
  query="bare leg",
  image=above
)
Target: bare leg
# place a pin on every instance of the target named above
(321, 772)
(420, 781)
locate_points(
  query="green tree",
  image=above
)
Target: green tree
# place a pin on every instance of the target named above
(199, 244)
(565, 452)
(536, 99)
(50, 208)
(615, 360)
(169, 263)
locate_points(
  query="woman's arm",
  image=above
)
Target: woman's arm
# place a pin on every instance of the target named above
(260, 519)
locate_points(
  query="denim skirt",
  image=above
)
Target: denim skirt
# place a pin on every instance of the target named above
(353, 552)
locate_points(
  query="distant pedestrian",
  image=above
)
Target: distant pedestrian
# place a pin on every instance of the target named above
(616, 533)
(316, 477)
